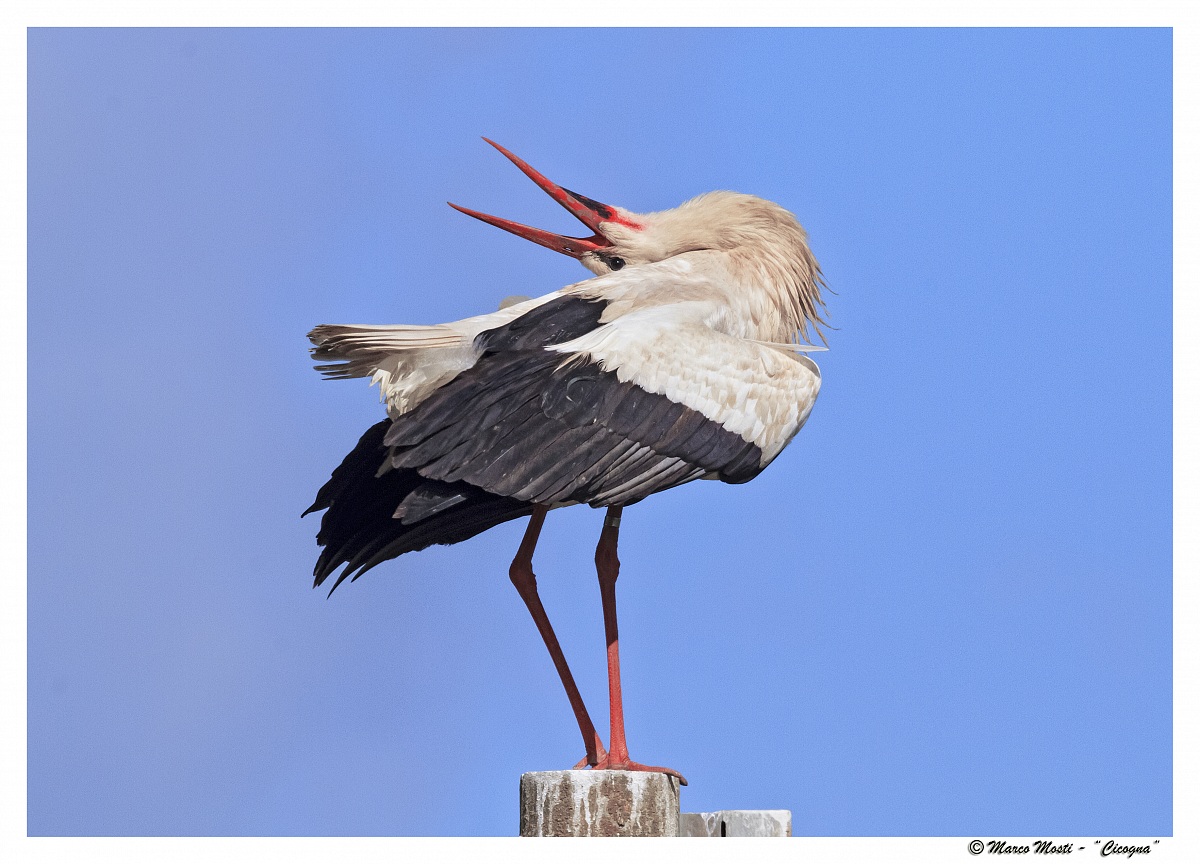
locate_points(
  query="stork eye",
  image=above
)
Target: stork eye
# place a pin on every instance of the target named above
(614, 263)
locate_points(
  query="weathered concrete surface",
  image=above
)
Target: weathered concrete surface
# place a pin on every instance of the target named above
(599, 804)
(737, 823)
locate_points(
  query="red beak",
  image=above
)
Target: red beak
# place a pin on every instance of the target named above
(590, 213)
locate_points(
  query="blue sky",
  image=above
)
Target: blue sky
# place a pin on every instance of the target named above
(945, 609)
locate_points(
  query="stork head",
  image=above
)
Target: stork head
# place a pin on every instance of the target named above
(761, 243)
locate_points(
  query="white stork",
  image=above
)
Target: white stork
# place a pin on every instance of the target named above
(679, 361)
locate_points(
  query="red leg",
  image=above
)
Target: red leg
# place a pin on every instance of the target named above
(521, 574)
(607, 568)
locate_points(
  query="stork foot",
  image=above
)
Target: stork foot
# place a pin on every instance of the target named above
(601, 755)
(607, 763)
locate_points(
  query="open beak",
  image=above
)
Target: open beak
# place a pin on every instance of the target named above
(590, 213)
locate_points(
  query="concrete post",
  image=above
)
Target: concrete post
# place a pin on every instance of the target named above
(599, 804)
(737, 823)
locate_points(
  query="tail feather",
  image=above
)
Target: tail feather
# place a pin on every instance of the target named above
(358, 349)
(372, 517)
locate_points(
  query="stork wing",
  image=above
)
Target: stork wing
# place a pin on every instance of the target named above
(560, 408)
(529, 423)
